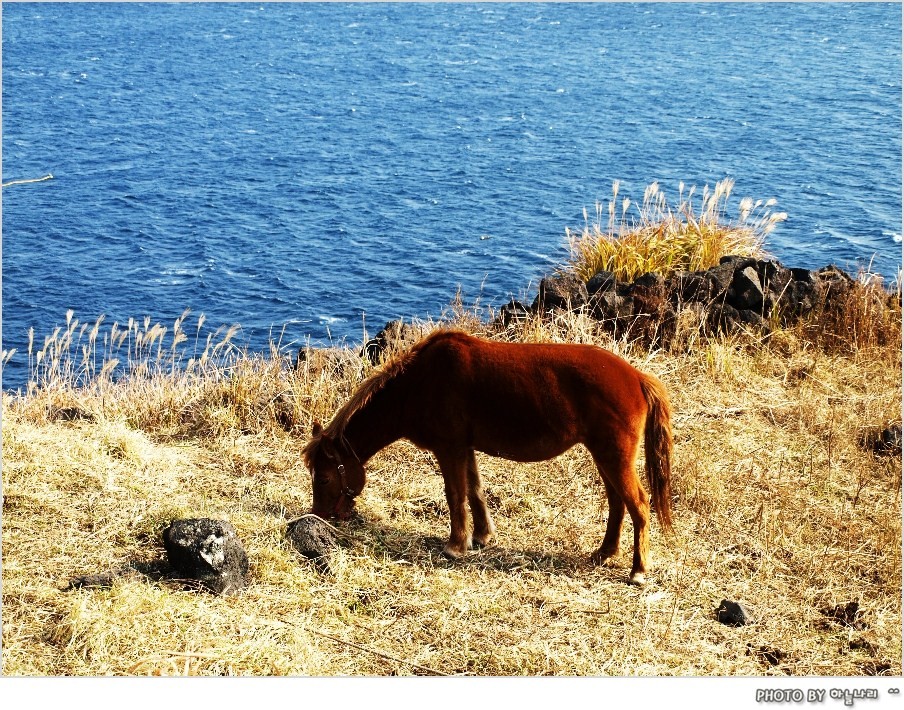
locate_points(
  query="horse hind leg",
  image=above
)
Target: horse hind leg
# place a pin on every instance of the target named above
(454, 468)
(484, 530)
(620, 473)
(609, 548)
(638, 504)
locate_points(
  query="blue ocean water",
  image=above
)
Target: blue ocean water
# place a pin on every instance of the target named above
(312, 169)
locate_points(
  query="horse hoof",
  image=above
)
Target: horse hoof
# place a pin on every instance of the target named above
(600, 558)
(480, 544)
(452, 554)
(638, 579)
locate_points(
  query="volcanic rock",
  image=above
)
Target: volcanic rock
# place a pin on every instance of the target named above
(392, 334)
(513, 312)
(747, 291)
(208, 551)
(314, 538)
(601, 282)
(561, 291)
(732, 613)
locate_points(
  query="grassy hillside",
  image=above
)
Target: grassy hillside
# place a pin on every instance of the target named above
(779, 505)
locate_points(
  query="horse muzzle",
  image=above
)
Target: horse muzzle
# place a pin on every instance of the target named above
(342, 510)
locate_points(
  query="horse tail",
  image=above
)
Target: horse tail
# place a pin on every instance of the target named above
(658, 446)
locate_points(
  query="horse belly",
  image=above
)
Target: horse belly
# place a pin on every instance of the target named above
(527, 443)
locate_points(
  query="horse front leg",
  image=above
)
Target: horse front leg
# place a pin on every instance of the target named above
(454, 467)
(484, 529)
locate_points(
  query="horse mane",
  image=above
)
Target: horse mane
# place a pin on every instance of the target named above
(366, 391)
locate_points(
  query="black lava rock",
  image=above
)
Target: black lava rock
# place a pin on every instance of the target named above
(71, 414)
(513, 312)
(732, 613)
(736, 263)
(720, 279)
(314, 538)
(392, 334)
(609, 304)
(722, 317)
(208, 551)
(601, 282)
(883, 442)
(748, 293)
(561, 291)
(889, 441)
(686, 287)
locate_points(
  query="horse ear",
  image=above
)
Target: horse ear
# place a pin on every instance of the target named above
(329, 448)
(316, 429)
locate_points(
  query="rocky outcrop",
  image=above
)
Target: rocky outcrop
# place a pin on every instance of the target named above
(394, 335)
(561, 291)
(513, 312)
(739, 292)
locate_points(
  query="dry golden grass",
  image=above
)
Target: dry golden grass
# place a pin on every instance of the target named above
(776, 507)
(666, 239)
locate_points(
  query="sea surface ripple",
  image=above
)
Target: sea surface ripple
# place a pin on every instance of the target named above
(312, 170)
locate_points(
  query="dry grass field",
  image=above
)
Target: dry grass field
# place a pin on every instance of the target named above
(777, 505)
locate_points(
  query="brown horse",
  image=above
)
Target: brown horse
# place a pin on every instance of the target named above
(453, 394)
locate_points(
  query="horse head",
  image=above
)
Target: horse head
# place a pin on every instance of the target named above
(337, 476)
